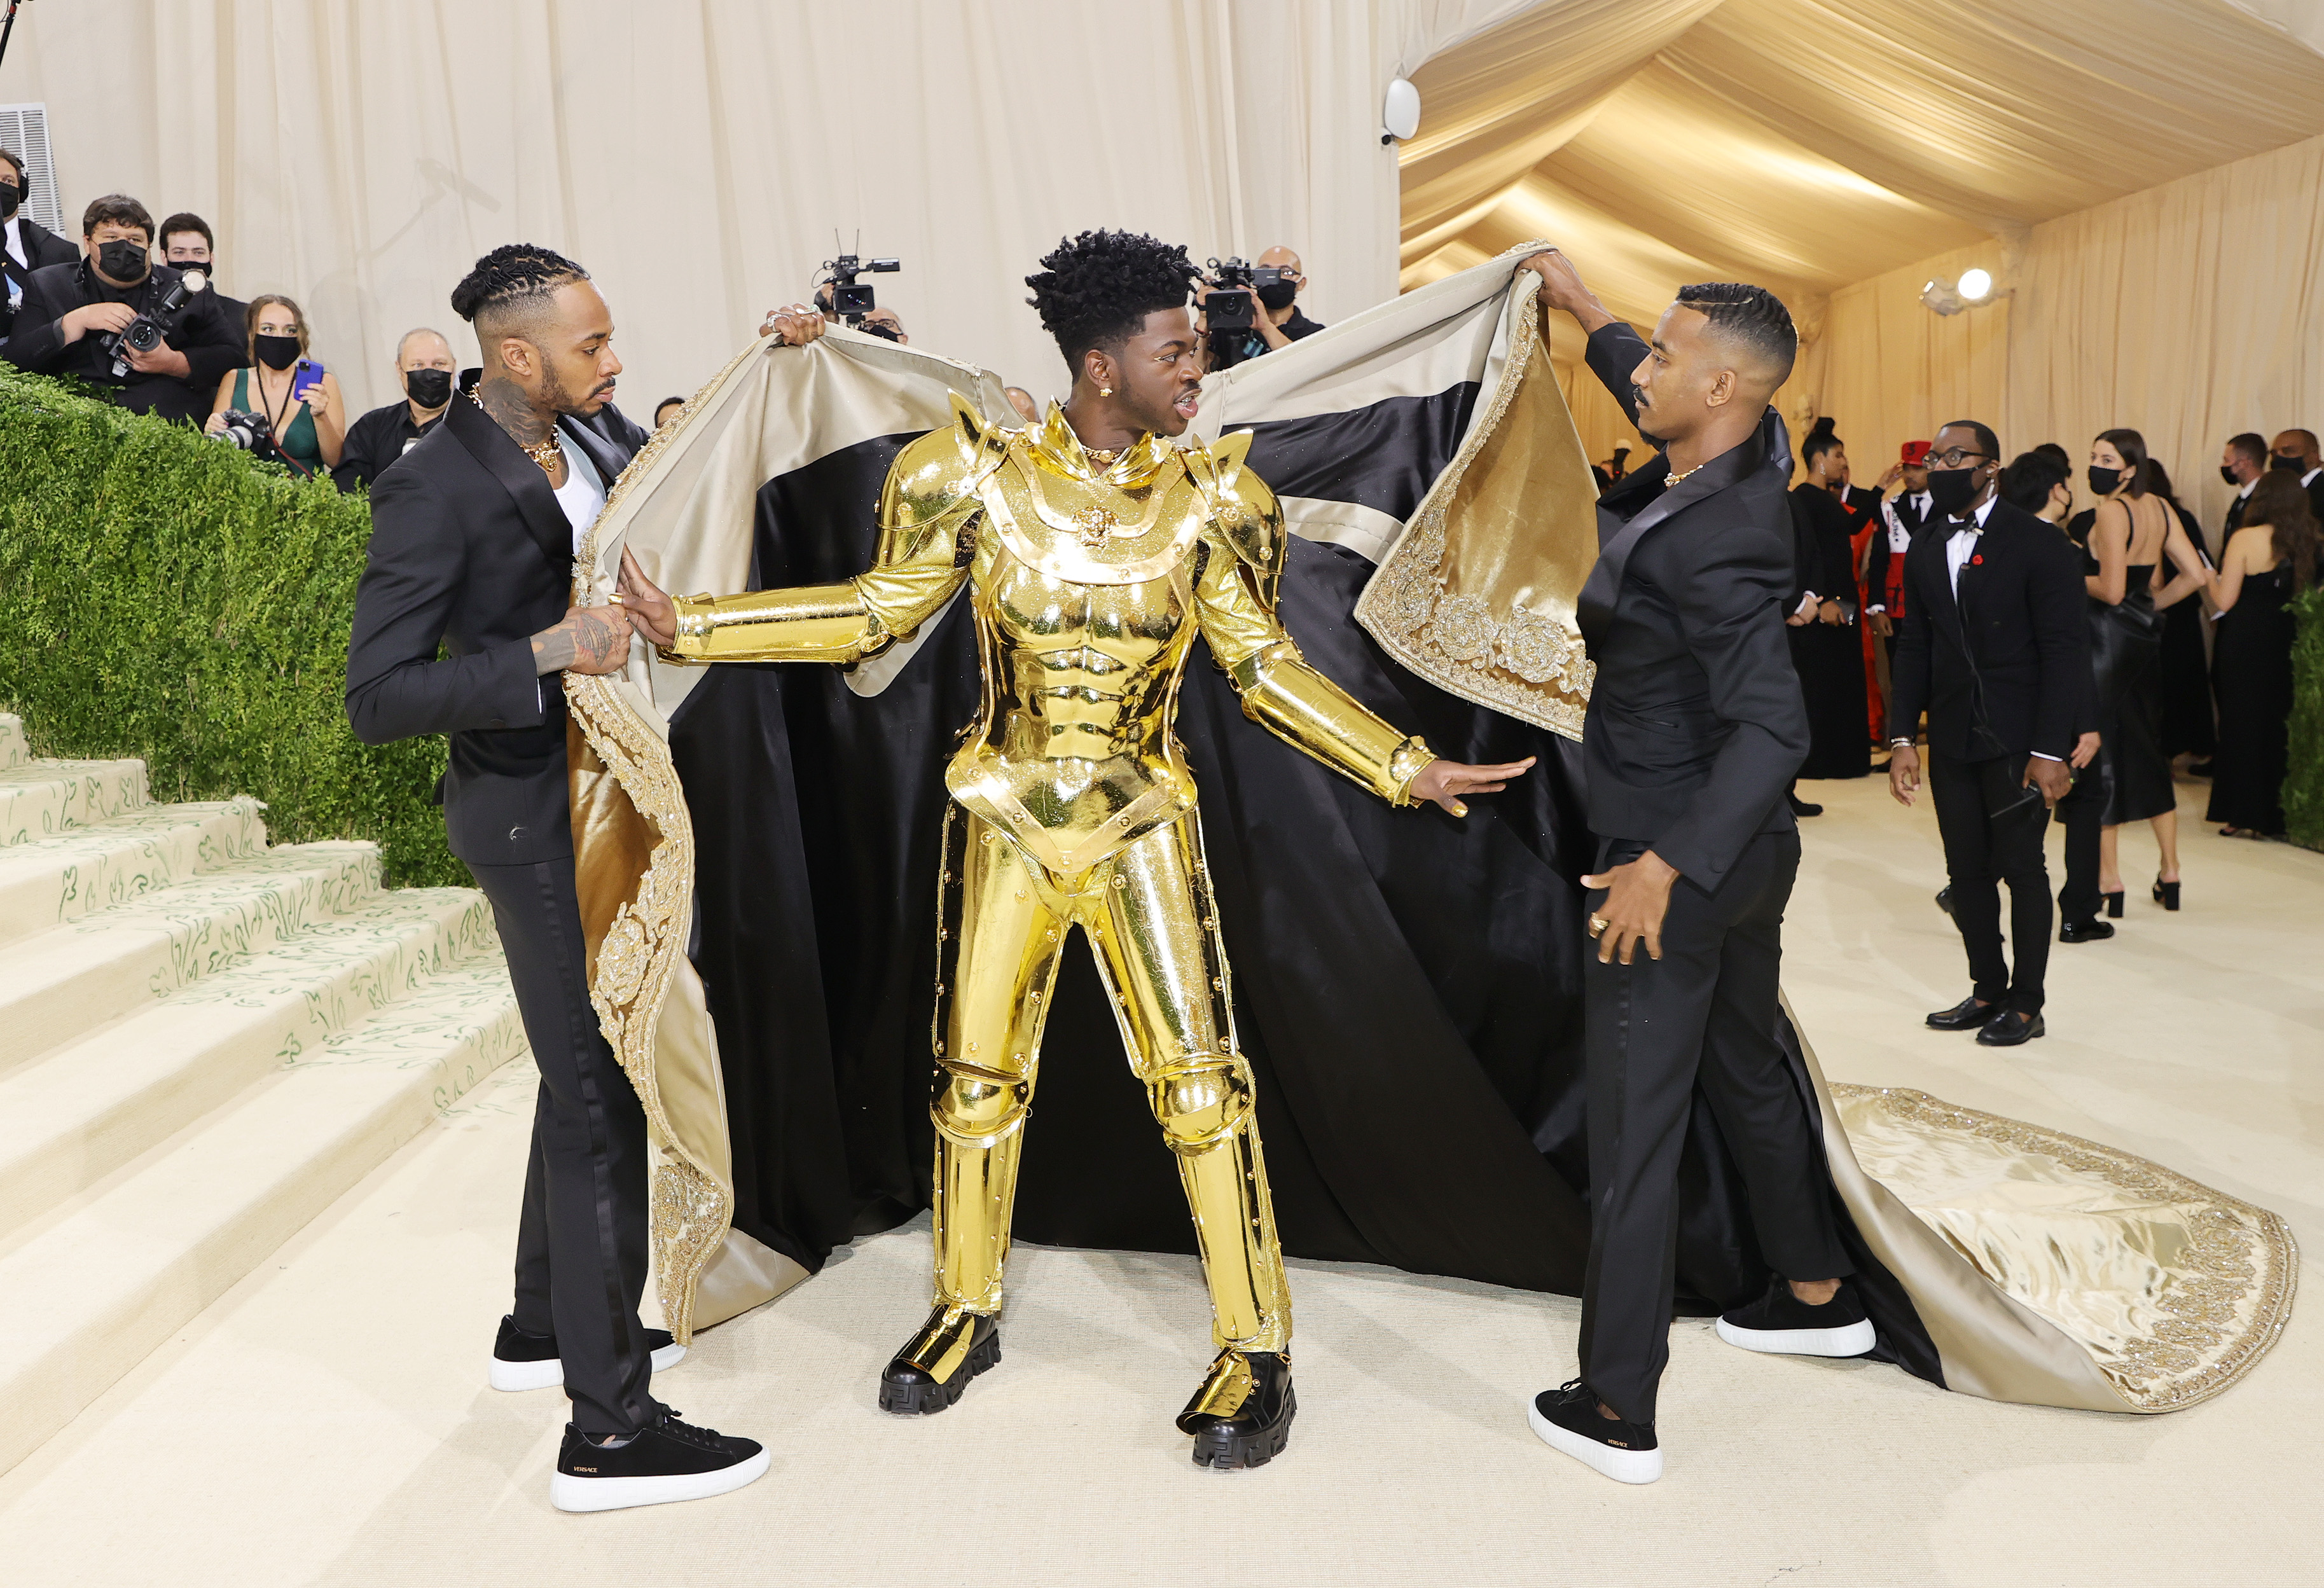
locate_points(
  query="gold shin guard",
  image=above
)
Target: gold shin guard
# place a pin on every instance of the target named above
(1149, 914)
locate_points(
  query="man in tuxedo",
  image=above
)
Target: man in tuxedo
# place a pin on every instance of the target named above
(1695, 727)
(2296, 451)
(2241, 462)
(25, 244)
(1995, 648)
(473, 539)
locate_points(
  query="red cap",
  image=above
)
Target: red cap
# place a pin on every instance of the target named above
(1916, 453)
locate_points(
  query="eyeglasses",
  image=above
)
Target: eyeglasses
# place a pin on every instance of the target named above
(1954, 457)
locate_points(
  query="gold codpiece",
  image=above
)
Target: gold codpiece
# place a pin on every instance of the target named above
(1088, 585)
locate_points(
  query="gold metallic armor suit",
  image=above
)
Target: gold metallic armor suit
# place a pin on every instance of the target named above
(1088, 580)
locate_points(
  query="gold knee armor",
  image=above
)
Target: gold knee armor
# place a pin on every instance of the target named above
(1074, 805)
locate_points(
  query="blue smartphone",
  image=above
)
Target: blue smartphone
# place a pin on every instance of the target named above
(309, 376)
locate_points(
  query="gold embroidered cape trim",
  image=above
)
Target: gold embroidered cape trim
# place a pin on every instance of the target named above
(2241, 1256)
(1531, 665)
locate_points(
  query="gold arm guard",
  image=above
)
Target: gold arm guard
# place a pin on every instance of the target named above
(1242, 510)
(929, 496)
(1292, 701)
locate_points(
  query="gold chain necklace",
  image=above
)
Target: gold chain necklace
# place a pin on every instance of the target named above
(1670, 480)
(548, 453)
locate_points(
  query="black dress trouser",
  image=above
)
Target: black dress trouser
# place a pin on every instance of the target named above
(1984, 850)
(1702, 1015)
(581, 1237)
(2082, 813)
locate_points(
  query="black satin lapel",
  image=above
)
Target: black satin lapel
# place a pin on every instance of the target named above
(1593, 610)
(609, 457)
(527, 487)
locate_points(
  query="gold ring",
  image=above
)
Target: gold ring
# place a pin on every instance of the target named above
(1598, 923)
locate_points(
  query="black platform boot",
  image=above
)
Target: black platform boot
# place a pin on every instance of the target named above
(932, 1371)
(1242, 1415)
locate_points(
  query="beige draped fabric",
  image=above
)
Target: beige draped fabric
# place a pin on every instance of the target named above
(699, 158)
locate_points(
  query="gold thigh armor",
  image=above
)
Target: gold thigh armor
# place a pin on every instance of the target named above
(1149, 915)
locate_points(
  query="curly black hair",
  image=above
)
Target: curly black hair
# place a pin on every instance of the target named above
(1096, 289)
(504, 280)
(1753, 316)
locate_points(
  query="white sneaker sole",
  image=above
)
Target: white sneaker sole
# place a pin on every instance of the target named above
(518, 1376)
(566, 1492)
(1624, 1466)
(1849, 1340)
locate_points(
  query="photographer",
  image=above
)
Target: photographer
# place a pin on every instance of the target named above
(83, 319)
(25, 244)
(1276, 322)
(877, 322)
(296, 397)
(425, 369)
(187, 245)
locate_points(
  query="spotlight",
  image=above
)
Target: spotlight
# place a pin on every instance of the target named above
(1400, 114)
(1940, 297)
(1975, 286)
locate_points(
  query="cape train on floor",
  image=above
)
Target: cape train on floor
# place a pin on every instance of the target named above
(759, 850)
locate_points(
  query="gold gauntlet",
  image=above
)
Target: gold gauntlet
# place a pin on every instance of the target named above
(1284, 695)
(811, 623)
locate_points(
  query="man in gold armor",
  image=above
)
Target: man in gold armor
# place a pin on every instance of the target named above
(1095, 552)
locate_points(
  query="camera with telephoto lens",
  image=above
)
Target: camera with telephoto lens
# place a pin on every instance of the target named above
(1231, 305)
(250, 431)
(851, 300)
(146, 332)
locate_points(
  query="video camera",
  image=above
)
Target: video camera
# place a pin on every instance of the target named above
(851, 300)
(1232, 305)
(146, 332)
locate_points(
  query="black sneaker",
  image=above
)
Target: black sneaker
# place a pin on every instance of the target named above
(1801, 808)
(665, 1461)
(1568, 1419)
(1782, 1324)
(522, 1360)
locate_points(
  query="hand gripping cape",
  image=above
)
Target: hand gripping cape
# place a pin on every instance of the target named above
(758, 858)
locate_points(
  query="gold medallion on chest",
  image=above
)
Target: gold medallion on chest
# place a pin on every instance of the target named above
(1095, 526)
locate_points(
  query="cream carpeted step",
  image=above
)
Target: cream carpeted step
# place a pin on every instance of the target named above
(13, 749)
(66, 875)
(58, 984)
(73, 1115)
(40, 798)
(92, 1293)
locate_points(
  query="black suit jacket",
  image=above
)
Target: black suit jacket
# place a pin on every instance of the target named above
(471, 555)
(36, 344)
(1696, 725)
(1875, 569)
(2004, 670)
(43, 248)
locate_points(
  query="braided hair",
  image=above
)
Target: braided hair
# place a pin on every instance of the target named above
(1751, 316)
(1096, 289)
(513, 282)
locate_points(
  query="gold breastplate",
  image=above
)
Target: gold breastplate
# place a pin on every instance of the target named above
(1084, 597)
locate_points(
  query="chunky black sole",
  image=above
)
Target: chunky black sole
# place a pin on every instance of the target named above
(1222, 1450)
(925, 1398)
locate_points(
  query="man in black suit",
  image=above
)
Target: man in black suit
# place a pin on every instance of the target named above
(1695, 727)
(25, 244)
(188, 247)
(2242, 462)
(71, 313)
(473, 539)
(1995, 650)
(2296, 451)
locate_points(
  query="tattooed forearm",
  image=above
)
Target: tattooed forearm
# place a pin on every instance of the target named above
(591, 640)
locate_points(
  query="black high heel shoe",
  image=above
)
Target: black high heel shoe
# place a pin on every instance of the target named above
(2114, 904)
(2166, 894)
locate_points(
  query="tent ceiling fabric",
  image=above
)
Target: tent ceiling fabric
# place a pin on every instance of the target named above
(1808, 145)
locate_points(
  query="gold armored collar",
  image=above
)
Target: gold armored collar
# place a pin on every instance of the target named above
(1061, 512)
(1052, 445)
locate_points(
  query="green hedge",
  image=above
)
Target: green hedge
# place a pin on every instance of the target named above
(2304, 785)
(168, 597)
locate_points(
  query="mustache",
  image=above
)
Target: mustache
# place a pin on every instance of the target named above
(1639, 395)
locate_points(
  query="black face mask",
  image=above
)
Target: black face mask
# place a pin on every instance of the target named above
(1952, 490)
(430, 388)
(2228, 475)
(276, 352)
(10, 195)
(122, 260)
(1279, 294)
(2104, 480)
(2280, 461)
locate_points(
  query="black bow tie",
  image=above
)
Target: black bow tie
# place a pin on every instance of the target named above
(1970, 524)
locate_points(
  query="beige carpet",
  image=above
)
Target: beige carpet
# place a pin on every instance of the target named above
(327, 1421)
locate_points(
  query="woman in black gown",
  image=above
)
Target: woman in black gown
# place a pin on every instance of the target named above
(2130, 533)
(2186, 671)
(2266, 562)
(1826, 649)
